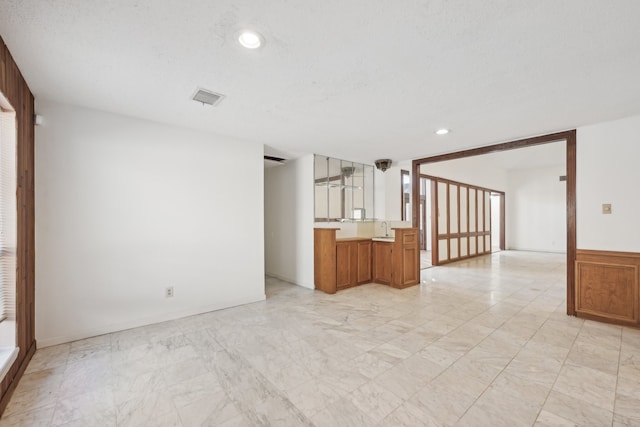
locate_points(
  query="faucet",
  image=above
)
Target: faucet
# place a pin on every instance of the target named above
(386, 228)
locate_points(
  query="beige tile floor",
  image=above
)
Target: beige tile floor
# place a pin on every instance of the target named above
(425, 259)
(483, 342)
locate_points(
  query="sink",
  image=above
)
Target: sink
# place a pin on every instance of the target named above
(383, 238)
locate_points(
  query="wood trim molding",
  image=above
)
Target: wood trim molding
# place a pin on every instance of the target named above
(570, 138)
(496, 148)
(460, 184)
(4, 401)
(403, 173)
(582, 253)
(571, 222)
(15, 89)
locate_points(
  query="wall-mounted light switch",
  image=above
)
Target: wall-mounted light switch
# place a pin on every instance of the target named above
(606, 208)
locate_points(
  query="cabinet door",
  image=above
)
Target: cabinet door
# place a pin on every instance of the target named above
(364, 263)
(343, 270)
(382, 262)
(410, 266)
(346, 264)
(407, 260)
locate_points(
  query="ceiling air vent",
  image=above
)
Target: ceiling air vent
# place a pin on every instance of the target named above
(207, 97)
(275, 159)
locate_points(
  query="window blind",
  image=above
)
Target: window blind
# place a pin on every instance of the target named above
(8, 215)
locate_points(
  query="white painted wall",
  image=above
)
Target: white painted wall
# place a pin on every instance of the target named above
(608, 156)
(127, 207)
(470, 170)
(392, 179)
(289, 221)
(536, 217)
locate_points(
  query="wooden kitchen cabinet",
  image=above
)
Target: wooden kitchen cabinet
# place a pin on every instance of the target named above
(364, 262)
(340, 263)
(397, 263)
(346, 264)
(382, 252)
(406, 258)
(343, 263)
(353, 262)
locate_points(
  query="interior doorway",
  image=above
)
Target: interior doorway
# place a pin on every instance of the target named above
(569, 137)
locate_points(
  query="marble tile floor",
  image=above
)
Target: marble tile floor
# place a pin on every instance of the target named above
(483, 342)
(425, 259)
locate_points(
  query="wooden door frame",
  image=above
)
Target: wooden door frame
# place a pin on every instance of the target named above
(570, 138)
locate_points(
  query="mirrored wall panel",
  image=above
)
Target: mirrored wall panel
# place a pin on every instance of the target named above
(343, 190)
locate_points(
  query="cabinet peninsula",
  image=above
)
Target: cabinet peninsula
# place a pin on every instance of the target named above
(347, 262)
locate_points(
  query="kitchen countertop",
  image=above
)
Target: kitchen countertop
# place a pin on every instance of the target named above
(389, 239)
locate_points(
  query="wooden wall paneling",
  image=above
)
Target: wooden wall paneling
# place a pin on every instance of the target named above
(464, 209)
(443, 250)
(479, 221)
(459, 220)
(434, 222)
(15, 89)
(607, 286)
(448, 219)
(472, 210)
(454, 214)
(454, 221)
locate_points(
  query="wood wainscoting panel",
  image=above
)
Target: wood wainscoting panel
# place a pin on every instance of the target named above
(607, 286)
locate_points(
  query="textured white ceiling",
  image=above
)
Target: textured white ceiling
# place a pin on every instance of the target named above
(353, 79)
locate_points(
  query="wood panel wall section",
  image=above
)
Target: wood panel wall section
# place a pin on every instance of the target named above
(15, 89)
(461, 215)
(607, 285)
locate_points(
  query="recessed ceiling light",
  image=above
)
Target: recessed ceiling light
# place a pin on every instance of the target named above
(442, 131)
(250, 39)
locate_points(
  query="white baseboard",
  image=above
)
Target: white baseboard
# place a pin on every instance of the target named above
(538, 250)
(116, 327)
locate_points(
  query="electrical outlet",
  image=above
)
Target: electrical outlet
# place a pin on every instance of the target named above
(168, 292)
